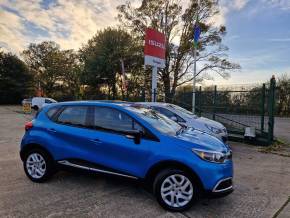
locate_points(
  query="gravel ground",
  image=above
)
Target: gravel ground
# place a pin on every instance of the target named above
(262, 186)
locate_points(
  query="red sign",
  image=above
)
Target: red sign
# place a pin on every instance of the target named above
(154, 49)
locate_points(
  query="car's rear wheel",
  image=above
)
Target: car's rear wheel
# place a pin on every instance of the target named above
(38, 165)
(175, 190)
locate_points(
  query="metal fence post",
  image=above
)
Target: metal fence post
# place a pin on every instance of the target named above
(199, 101)
(271, 110)
(214, 102)
(263, 107)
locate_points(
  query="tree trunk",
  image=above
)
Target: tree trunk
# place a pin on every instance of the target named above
(114, 89)
(166, 83)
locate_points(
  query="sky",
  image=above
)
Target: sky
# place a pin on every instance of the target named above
(258, 31)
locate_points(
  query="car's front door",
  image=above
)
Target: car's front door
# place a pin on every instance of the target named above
(113, 147)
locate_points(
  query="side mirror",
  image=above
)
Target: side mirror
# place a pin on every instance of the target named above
(174, 118)
(135, 135)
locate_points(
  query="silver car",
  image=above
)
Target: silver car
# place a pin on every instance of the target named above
(187, 118)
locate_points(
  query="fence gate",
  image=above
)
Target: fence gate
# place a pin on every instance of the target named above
(237, 110)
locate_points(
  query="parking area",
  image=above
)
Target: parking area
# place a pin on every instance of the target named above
(262, 186)
(282, 129)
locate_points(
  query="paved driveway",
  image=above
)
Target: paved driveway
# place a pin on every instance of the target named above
(282, 128)
(262, 186)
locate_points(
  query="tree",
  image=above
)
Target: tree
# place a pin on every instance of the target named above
(102, 58)
(56, 71)
(283, 95)
(168, 17)
(15, 80)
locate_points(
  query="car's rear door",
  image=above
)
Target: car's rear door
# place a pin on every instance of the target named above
(70, 132)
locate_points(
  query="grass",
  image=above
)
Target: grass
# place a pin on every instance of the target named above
(279, 147)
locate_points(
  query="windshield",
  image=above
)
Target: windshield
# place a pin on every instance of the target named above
(182, 110)
(157, 120)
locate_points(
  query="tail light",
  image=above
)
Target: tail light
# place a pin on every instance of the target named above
(28, 125)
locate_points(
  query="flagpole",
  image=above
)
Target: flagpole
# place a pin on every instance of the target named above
(194, 81)
(194, 66)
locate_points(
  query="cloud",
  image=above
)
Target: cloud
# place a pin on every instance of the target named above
(11, 32)
(239, 4)
(281, 4)
(279, 40)
(227, 6)
(69, 23)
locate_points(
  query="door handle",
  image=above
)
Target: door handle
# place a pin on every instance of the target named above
(129, 136)
(97, 141)
(52, 130)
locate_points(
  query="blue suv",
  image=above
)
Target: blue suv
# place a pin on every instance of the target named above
(129, 141)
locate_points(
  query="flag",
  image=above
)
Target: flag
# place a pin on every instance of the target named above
(196, 34)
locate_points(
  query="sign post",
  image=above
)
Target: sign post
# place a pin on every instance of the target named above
(154, 55)
(154, 84)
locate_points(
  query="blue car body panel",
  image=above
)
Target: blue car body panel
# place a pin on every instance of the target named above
(120, 153)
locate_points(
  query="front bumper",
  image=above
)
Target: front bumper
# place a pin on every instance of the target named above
(223, 185)
(216, 178)
(224, 138)
(223, 188)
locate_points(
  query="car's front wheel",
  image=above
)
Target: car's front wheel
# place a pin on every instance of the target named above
(175, 190)
(38, 165)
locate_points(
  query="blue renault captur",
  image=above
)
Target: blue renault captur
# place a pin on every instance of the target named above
(129, 141)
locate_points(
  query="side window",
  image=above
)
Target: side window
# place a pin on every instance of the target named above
(52, 112)
(73, 115)
(168, 113)
(47, 101)
(138, 127)
(112, 119)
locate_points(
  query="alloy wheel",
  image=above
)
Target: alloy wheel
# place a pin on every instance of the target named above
(176, 190)
(35, 165)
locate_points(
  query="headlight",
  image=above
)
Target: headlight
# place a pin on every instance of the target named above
(212, 156)
(214, 130)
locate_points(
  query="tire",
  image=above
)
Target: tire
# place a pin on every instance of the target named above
(38, 165)
(177, 185)
(35, 107)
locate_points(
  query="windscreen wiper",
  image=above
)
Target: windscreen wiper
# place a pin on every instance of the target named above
(181, 130)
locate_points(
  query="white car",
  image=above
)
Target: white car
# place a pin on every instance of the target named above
(187, 118)
(39, 102)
